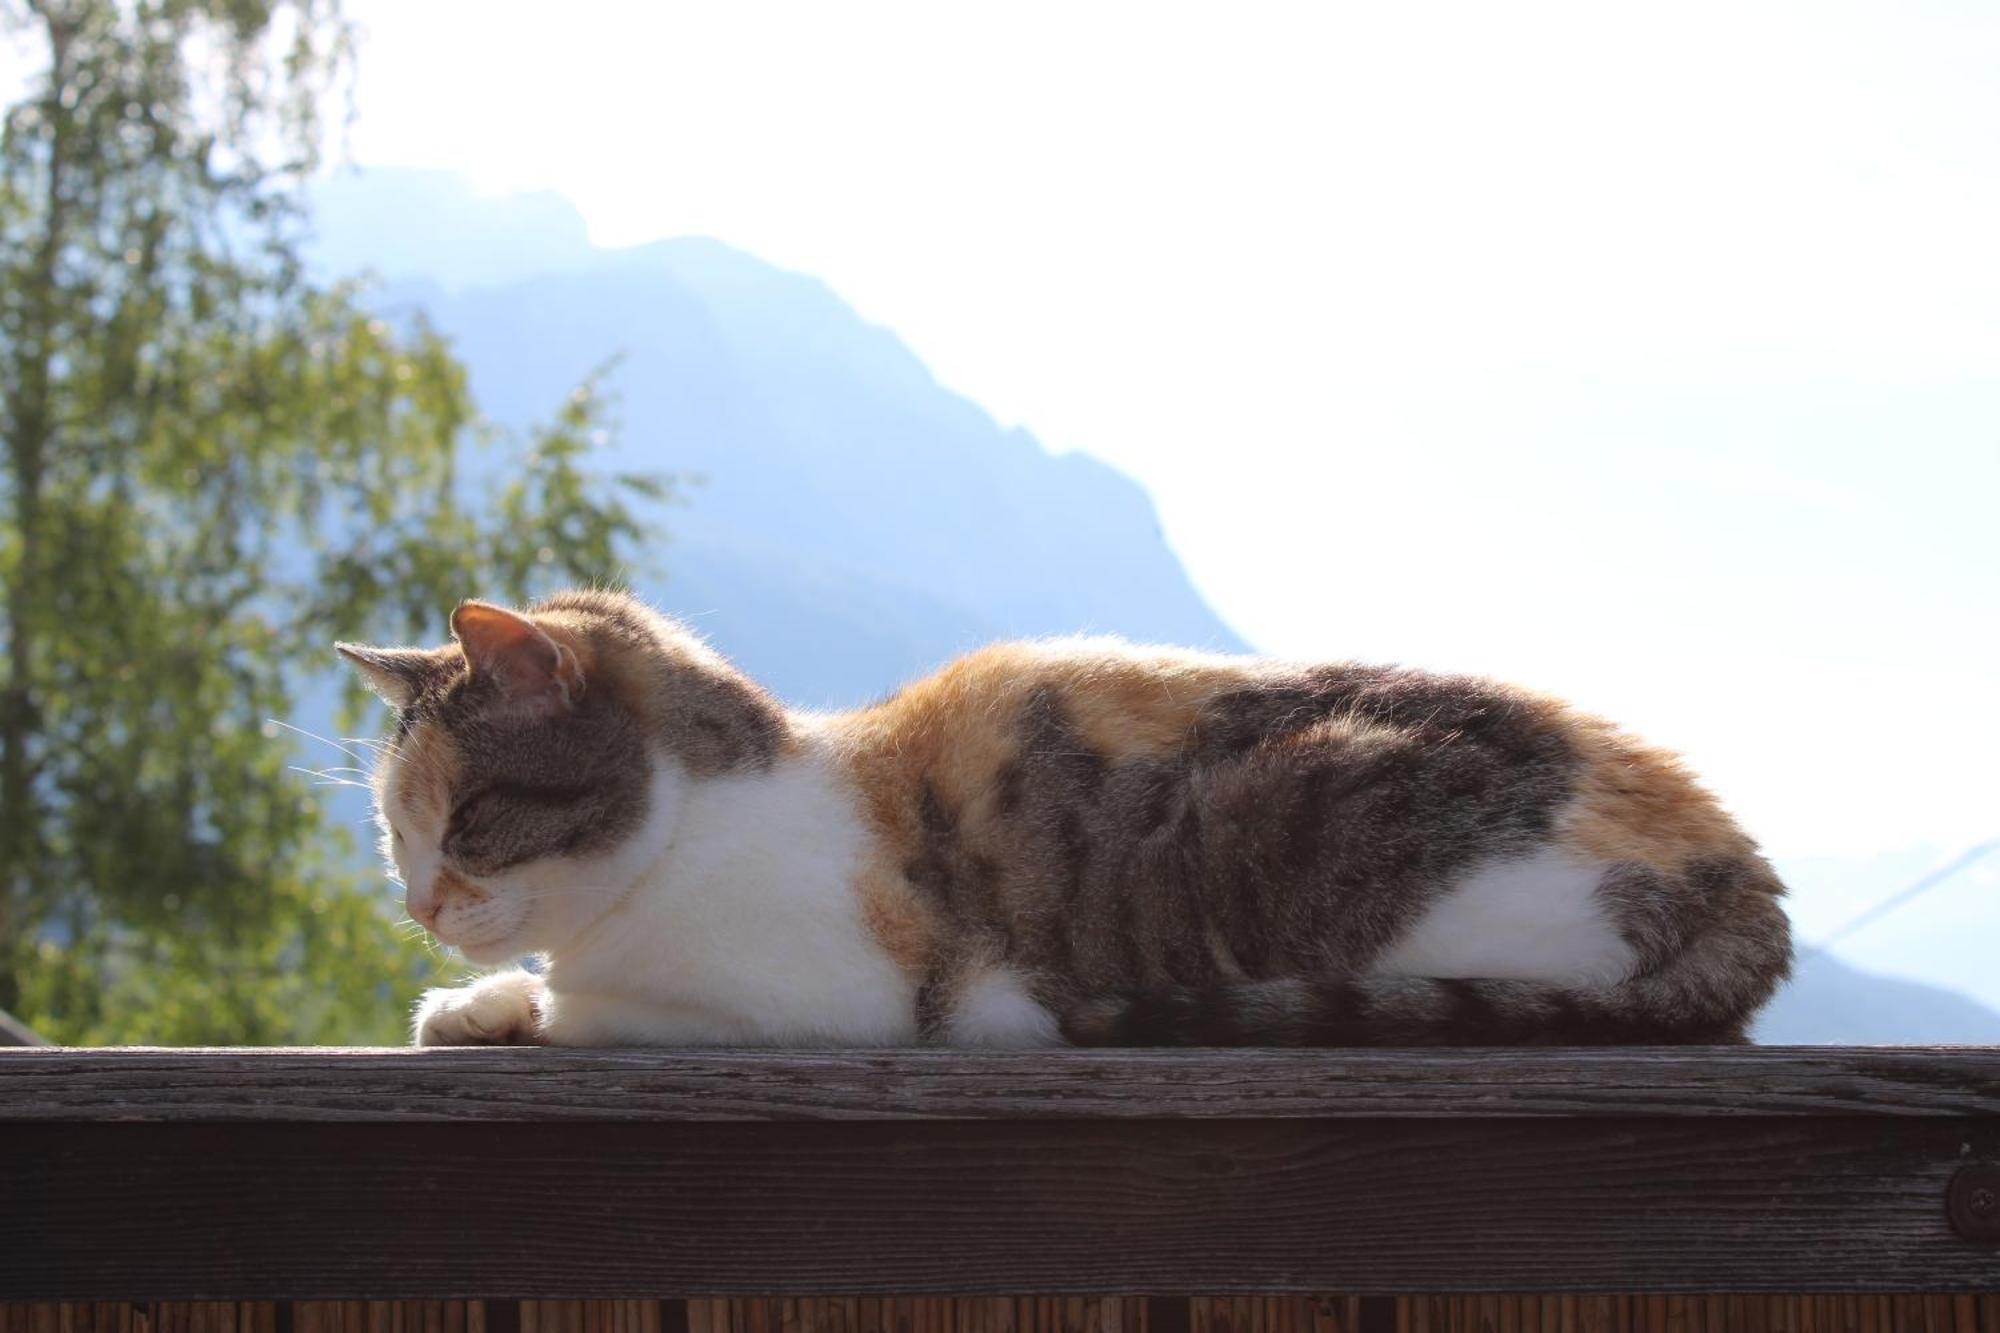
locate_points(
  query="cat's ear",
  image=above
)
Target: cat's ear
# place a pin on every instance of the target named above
(531, 669)
(396, 674)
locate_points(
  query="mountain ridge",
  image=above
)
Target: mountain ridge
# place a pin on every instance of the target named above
(860, 522)
(857, 523)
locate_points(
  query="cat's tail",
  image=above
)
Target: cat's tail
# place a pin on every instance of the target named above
(1387, 1011)
(1705, 992)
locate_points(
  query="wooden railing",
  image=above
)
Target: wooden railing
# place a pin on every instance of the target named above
(305, 1175)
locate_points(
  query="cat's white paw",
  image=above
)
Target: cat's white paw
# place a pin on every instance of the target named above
(504, 1009)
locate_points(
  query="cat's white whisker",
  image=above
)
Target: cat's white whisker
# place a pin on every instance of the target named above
(315, 736)
(322, 779)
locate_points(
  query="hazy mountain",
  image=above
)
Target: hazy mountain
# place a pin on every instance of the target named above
(1831, 1002)
(856, 522)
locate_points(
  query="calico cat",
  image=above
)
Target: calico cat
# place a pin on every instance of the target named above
(1074, 841)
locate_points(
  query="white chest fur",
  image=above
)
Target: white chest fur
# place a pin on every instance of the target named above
(748, 929)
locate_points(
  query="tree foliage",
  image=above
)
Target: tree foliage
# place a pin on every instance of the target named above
(213, 469)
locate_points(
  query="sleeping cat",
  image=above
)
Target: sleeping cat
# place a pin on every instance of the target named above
(1075, 841)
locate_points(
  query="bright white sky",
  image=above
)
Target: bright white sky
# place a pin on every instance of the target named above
(1648, 353)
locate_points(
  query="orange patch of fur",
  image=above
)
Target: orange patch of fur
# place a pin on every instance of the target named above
(425, 774)
(958, 730)
(1143, 707)
(895, 916)
(1637, 802)
(953, 730)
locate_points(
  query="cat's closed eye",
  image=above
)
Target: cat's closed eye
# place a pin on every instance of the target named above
(482, 809)
(495, 827)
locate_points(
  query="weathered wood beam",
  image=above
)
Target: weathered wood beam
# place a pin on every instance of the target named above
(504, 1174)
(535, 1084)
(407, 1210)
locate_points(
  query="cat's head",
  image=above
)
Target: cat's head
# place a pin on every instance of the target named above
(541, 759)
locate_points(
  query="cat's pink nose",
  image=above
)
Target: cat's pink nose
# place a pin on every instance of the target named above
(445, 886)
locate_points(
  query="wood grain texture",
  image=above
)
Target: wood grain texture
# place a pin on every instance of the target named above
(1482, 1313)
(533, 1084)
(1837, 1204)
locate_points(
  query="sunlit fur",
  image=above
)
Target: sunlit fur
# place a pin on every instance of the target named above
(1076, 840)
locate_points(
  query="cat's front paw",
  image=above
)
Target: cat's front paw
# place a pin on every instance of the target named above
(501, 1010)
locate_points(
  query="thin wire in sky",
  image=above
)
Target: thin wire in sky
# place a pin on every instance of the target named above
(1915, 890)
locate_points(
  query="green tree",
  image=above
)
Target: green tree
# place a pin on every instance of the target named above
(213, 469)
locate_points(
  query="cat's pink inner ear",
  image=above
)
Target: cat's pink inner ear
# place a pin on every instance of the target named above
(512, 651)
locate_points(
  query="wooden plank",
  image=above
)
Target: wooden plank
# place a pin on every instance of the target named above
(486, 1084)
(408, 1211)
(1485, 1313)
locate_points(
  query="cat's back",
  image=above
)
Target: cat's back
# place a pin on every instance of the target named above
(1094, 706)
(1376, 853)
(1123, 700)
(1070, 765)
